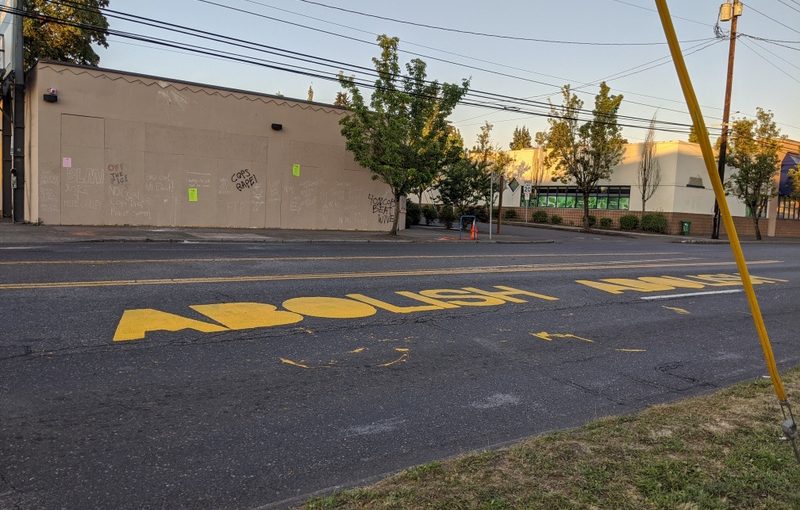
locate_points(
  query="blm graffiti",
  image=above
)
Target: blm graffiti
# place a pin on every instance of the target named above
(383, 207)
(243, 179)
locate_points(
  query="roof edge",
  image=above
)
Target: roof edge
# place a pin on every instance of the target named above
(184, 82)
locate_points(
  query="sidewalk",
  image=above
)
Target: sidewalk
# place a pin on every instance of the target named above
(666, 237)
(25, 234)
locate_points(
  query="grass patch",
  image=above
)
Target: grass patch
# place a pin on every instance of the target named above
(719, 451)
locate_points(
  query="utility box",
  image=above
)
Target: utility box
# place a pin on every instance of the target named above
(686, 227)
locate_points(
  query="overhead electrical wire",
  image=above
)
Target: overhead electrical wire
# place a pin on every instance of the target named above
(576, 89)
(430, 57)
(795, 9)
(485, 34)
(771, 18)
(279, 66)
(498, 64)
(770, 62)
(630, 4)
(792, 64)
(476, 95)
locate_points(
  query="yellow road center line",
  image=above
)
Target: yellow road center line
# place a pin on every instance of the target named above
(371, 274)
(98, 262)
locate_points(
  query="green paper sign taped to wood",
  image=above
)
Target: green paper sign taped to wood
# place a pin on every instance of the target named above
(192, 194)
(296, 169)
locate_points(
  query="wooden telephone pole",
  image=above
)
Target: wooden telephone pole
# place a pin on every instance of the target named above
(730, 12)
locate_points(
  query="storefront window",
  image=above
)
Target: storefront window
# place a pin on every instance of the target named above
(611, 197)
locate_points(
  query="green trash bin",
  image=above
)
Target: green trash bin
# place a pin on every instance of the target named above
(686, 227)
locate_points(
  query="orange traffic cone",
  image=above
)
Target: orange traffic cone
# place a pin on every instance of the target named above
(473, 233)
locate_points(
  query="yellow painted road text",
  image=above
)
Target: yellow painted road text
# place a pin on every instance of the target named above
(667, 283)
(135, 324)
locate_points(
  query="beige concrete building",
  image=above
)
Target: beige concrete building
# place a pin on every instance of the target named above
(684, 194)
(123, 149)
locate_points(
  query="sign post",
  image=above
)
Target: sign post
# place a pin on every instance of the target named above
(527, 192)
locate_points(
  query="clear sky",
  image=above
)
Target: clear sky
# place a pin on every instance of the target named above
(766, 75)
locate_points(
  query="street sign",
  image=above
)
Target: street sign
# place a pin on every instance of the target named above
(527, 188)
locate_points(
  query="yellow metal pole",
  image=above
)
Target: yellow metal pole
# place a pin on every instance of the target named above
(719, 192)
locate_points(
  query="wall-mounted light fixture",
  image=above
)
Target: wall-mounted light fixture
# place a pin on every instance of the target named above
(51, 96)
(277, 127)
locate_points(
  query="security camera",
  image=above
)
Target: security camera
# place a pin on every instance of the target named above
(52, 90)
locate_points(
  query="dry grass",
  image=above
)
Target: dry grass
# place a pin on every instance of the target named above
(718, 451)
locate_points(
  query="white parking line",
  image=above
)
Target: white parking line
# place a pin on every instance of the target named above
(692, 294)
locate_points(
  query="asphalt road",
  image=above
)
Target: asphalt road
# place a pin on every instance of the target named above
(301, 368)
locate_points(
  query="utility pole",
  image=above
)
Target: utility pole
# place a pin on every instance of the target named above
(732, 13)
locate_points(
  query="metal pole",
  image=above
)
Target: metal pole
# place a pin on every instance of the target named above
(719, 191)
(500, 202)
(726, 112)
(18, 141)
(491, 205)
(7, 156)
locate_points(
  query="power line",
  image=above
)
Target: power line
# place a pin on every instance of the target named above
(569, 80)
(795, 9)
(468, 66)
(771, 18)
(483, 34)
(770, 62)
(281, 66)
(498, 73)
(772, 42)
(436, 58)
(630, 4)
(777, 56)
(296, 55)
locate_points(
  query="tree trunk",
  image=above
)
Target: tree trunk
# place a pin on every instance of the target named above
(393, 232)
(755, 227)
(500, 203)
(644, 204)
(586, 211)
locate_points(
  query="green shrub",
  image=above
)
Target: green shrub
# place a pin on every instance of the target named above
(592, 220)
(510, 214)
(429, 213)
(654, 222)
(606, 222)
(413, 214)
(539, 216)
(629, 222)
(447, 215)
(556, 219)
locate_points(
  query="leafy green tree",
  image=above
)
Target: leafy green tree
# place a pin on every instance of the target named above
(401, 135)
(453, 154)
(342, 100)
(492, 163)
(693, 138)
(753, 152)
(45, 39)
(458, 184)
(521, 139)
(500, 164)
(649, 175)
(584, 154)
(482, 154)
(794, 178)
